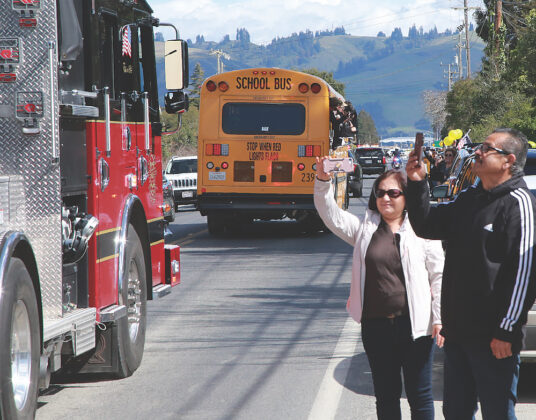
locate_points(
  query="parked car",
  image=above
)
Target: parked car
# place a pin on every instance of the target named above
(182, 172)
(462, 175)
(169, 202)
(355, 178)
(371, 159)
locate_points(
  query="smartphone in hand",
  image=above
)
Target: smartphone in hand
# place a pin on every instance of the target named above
(419, 143)
(338, 165)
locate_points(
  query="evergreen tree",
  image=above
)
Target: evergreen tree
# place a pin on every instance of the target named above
(366, 133)
(381, 35)
(198, 76)
(242, 36)
(413, 33)
(396, 35)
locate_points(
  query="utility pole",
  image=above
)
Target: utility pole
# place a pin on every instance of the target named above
(450, 73)
(466, 9)
(459, 47)
(219, 54)
(467, 48)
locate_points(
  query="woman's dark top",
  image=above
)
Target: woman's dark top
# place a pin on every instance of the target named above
(385, 288)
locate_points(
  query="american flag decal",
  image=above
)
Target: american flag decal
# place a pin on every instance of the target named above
(127, 49)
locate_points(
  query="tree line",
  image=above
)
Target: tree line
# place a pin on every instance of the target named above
(503, 93)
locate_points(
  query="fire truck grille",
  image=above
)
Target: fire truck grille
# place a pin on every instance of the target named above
(183, 183)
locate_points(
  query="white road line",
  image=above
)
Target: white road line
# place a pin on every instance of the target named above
(329, 394)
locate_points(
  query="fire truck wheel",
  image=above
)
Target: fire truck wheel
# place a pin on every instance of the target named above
(216, 224)
(131, 329)
(19, 356)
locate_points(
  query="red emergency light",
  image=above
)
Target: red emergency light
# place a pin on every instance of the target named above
(211, 86)
(316, 88)
(303, 88)
(223, 86)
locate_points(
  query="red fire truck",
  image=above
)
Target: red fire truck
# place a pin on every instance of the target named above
(81, 223)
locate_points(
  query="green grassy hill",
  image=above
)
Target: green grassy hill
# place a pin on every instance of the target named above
(384, 77)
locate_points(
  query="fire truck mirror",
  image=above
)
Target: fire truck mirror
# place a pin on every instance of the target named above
(176, 64)
(176, 102)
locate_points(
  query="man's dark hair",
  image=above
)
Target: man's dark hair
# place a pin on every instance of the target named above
(517, 144)
(398, 175)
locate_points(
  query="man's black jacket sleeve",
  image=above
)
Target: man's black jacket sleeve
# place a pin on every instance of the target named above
(428, 222)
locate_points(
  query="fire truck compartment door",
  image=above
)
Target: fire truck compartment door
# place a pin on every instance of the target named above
(29, 158)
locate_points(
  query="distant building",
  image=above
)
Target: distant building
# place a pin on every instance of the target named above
(404, 142)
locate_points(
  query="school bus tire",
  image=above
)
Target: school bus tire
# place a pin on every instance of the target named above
(130, 339)
(20, 344)
(216, 224)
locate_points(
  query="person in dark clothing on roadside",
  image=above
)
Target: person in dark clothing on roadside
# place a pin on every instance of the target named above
(489, 280)
(336, 119)
(349, 123)
(440, 171)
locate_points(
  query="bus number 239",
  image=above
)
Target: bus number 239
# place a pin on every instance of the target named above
(308, 177)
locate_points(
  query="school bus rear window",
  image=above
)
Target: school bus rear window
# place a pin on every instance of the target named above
(263, 118)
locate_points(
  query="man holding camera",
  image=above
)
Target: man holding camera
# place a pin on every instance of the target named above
(489, 279)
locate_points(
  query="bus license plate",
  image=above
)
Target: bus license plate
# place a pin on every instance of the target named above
(368, 161)
(216, 176)
(187, 194)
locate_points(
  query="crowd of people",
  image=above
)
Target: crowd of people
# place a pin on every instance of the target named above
(343, 119)
(473, 298)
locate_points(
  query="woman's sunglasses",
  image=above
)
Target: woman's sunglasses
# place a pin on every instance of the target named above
(393, 193)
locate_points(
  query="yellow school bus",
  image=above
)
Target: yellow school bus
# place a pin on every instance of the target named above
(259, 133)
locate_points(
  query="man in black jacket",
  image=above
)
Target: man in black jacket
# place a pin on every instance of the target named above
(489, 279)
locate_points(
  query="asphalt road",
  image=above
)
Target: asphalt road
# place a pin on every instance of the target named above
(257, 329)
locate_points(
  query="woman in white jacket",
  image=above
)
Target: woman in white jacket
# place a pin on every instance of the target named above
(394, 294)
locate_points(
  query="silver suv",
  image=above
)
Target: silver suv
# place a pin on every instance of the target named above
(182, 172)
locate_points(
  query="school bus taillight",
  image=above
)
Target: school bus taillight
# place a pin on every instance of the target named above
(309, 150)
(316, 88)
(216, 149)
(211, 86)
(303, 87)
(223, 86)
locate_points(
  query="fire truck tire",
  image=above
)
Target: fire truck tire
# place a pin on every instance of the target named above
(19, 356)
(216, 224)
(131, 329)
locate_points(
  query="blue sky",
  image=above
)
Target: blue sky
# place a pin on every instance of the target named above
(266, 20)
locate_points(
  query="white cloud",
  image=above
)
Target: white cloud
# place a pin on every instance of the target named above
(266, 20)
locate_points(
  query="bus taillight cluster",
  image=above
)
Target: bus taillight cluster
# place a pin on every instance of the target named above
(304, 88)
(309, 150)
(216, 149)
(222, 86)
